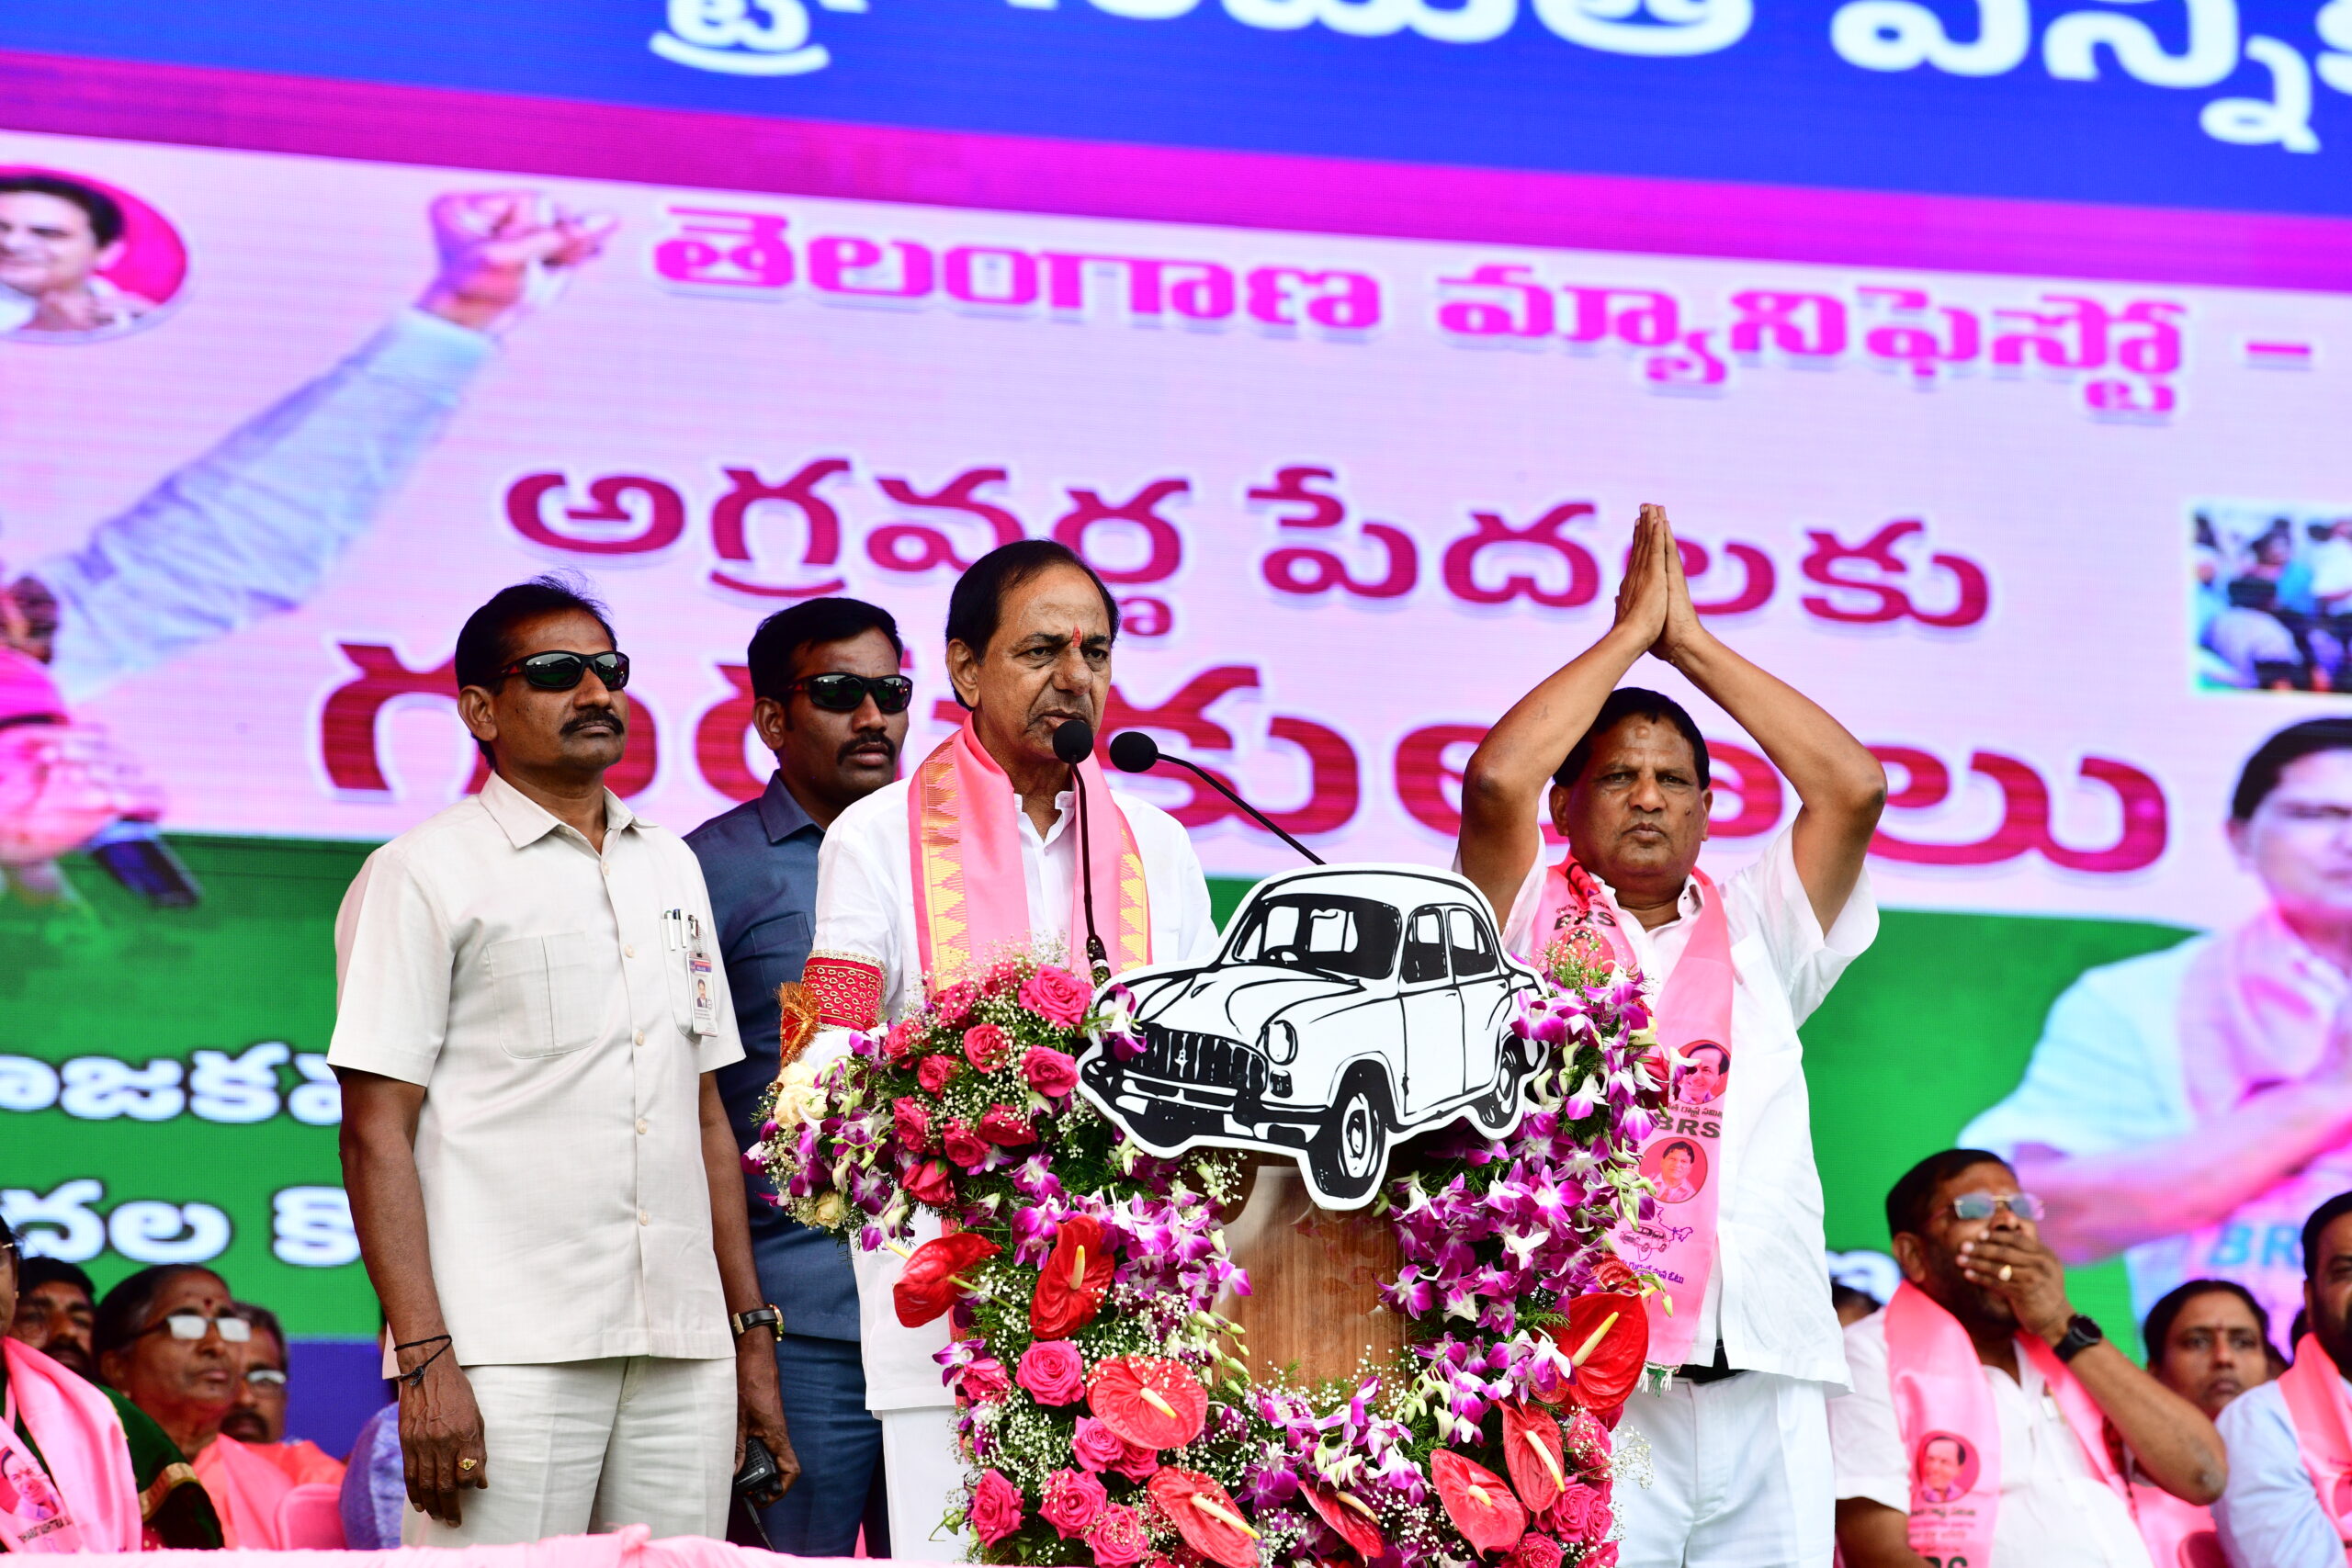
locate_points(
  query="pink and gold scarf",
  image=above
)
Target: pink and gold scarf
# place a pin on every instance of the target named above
(971, 898)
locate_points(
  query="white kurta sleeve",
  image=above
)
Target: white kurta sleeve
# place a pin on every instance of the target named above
(393, 959)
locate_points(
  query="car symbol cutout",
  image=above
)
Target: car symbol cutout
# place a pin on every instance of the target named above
(1348, 1008)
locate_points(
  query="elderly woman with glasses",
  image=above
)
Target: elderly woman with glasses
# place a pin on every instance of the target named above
(170, 1337)
(81, 1468)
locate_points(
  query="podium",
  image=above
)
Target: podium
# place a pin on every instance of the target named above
(1315, 1277)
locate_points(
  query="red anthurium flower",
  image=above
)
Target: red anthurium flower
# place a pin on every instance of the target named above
(1535, 1454)
(1205, 1516)
(1076, 1278)
(1608, 1336)
(1148, 1401)
(1479, 1501)
(927, 1287)
(1351, 1519)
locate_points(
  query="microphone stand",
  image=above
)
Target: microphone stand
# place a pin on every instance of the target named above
(1098, 957)
(1222, 788)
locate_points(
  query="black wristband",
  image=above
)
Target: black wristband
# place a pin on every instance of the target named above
(414, 1376)
(2081, 1335)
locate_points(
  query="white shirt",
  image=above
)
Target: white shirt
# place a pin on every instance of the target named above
(1768, 1295)
(2054, 1511)
(2269, 1516)
(866, 908)
(529, 983)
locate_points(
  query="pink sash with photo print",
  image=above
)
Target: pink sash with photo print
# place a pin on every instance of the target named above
(1694, 1008)
(2321, 1409)
(1951, 1434)
(79, 1496)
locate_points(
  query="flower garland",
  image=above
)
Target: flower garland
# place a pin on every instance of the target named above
(1103, 1408)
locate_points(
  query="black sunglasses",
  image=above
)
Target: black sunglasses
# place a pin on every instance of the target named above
(842, 692)
(555, 671)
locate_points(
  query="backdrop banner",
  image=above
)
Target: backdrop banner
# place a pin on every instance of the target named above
(1355, 495)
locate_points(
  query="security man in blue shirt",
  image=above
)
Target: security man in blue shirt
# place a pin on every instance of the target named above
(830, 703)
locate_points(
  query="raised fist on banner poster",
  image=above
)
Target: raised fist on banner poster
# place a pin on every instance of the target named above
(505, 253)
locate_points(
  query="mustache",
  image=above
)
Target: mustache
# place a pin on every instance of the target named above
(596, 716)
(239, 1422)
(859, 743)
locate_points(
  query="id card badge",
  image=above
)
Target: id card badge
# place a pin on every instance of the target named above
(700, 977)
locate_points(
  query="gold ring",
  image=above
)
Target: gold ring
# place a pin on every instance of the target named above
(465, 1465)
(2006, 1272)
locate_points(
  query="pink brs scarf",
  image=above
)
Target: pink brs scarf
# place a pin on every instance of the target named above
(80, 1495)
(971, 898)
(1683, 1156)
(1952, 1433)
(2321, 1411)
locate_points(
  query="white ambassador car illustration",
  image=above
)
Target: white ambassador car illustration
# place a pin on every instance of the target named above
(1349, 1008)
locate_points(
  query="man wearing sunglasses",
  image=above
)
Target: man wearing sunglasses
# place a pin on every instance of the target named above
(170, 1337)
(829, 701)
(1030, 630)
(1977, 1428)
(529, 1021)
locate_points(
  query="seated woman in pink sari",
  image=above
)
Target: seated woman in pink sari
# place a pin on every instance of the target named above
(169, 1337)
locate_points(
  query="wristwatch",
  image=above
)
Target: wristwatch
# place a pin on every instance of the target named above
(2081, 1335)
(772, 1317)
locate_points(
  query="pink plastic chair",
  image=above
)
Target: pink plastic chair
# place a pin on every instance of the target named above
(310, 1520)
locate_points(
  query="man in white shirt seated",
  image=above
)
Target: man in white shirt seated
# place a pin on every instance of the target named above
(991, 815)
(1977, 1425)
(1738, 1440)
(2289, 1503)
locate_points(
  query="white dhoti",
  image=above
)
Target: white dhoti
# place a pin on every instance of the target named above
(1742, 1476)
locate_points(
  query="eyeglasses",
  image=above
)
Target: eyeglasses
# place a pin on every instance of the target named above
(1981, 1205)
(191, 1325)
(265, 1377)
(558, 672)
(844, 693)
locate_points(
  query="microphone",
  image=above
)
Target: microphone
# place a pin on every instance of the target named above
(1073, 743)
(1133, 751)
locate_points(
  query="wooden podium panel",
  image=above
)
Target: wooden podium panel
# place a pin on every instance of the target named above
(1315, 1278)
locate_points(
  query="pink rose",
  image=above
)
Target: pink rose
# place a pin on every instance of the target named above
(1006, 1127)
(962, 1146)
(1536, 1551)
(934, 1073)
(1054, 1371)
(986, 1047)
(983, 1381)
(1136, 1461)
(912, 1123)
(1097, 1447)
(1057, 996)
(1049, 1072)
(996, 1507)
(930, 1183)
(955, 1003)
(1117, 1537)
(1073, 1501)
(900, 1043)
(1572, 1511)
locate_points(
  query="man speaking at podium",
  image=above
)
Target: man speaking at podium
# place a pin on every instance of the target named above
(977, 855)
(1739, 1438)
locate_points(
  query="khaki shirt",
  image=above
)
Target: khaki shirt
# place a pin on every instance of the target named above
(538, 991)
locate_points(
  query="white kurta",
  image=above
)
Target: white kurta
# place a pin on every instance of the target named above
(865, 910)
(2053, 1513)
